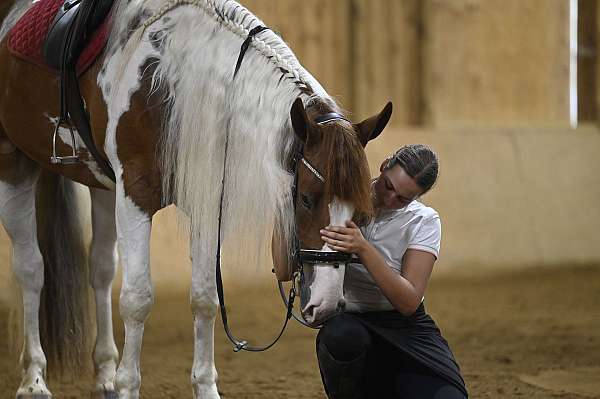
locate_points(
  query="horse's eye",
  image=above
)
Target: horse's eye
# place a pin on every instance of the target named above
(306, 201)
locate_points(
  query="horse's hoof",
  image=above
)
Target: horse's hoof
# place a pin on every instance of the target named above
(104, 395)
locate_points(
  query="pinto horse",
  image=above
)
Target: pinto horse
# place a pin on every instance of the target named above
(177, 127)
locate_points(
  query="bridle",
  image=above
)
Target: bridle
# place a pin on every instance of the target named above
(299, 256)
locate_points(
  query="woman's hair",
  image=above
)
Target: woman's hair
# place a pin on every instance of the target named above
(419, 162)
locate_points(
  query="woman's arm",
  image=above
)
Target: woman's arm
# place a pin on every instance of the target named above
(404, 291)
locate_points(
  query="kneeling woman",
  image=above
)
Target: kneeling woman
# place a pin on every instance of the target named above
(385, 345)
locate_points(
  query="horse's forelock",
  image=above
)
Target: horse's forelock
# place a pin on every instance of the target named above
(347, 170)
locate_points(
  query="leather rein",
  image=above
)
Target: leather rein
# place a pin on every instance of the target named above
(300, 255)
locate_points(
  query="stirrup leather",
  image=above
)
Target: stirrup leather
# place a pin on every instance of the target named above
(69, 159)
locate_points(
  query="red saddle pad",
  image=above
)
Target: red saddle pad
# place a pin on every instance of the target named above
(26, 38)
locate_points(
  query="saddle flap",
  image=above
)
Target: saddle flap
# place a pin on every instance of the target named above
(55, 42)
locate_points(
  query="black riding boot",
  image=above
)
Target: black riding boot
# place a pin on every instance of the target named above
(341, 379)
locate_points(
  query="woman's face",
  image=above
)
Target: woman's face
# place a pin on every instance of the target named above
(394, 189)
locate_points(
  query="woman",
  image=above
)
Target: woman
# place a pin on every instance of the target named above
(385, 345)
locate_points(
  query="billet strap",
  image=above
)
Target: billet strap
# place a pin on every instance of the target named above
(255, 31)
(330, 117)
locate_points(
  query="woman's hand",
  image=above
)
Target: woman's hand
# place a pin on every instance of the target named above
(345, 239)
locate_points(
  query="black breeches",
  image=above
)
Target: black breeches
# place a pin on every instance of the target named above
(356, 363)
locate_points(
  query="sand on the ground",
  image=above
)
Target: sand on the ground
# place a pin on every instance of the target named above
(506, 329)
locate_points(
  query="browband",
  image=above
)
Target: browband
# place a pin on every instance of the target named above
(313, 169)
(330, 117)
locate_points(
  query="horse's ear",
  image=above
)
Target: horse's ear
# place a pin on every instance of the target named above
(371, 128)
(300, 121)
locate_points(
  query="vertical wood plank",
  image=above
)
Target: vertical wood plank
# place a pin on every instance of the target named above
(587, 60)
(318, 33)
(497, 62)
(387, 58)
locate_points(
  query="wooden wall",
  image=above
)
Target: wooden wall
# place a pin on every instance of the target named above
(587, 68)
(442, 62)
(597, 68)
(318, 32)
(387, 56)
(496, 62)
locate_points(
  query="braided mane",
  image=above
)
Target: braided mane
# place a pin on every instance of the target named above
(231, 15)
(189, 50)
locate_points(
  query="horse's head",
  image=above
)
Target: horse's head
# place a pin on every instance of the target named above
(333, 186)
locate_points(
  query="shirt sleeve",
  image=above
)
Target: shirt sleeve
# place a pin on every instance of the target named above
(428, 236)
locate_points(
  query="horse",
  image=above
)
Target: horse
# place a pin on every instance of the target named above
(179, 126)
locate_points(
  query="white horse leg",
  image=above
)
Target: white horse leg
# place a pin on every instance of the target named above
(136, 299)
(17, 211)
(103, 265)
(204, 302)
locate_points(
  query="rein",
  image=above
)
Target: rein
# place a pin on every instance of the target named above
(238, 344)
(301, 255)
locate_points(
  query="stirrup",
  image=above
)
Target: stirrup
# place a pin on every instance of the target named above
(69, 159)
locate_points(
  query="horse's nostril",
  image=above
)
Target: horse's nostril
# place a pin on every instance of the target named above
(308, 312)
(341, 305)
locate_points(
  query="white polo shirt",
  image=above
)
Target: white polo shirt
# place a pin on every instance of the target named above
(416, 226)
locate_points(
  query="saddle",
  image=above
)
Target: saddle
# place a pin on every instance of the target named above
(64, 43)
(66, 37)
